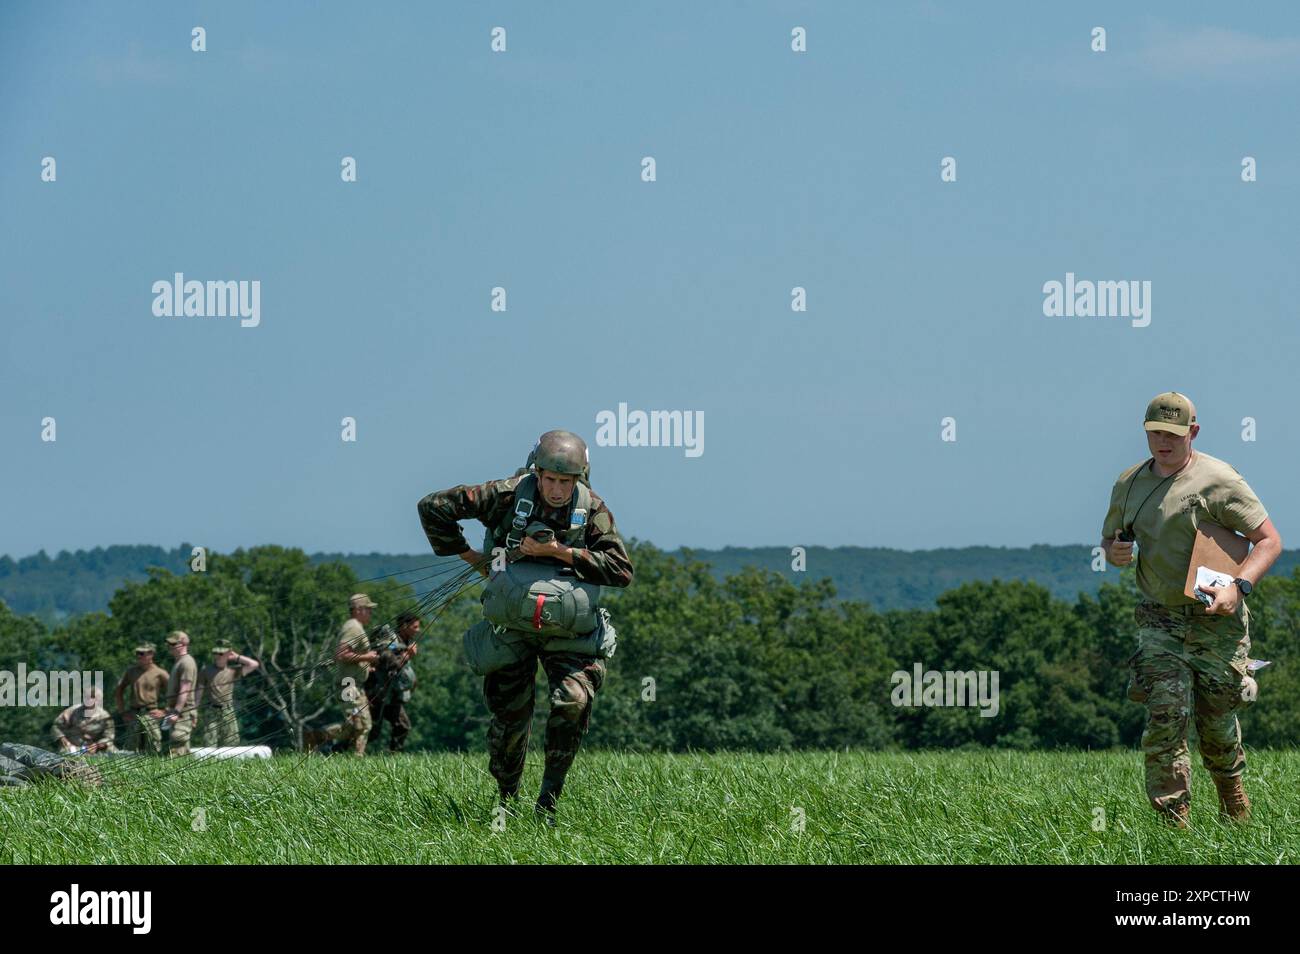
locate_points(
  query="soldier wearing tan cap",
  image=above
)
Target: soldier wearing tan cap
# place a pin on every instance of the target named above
(181, 713)
(1191, 658)
(354, 657)
(146, 683)
(215, 696)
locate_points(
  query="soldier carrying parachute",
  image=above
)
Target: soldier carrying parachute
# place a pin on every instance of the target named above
(551, 544)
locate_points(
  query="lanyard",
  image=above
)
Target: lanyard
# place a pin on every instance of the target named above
(1126, 534)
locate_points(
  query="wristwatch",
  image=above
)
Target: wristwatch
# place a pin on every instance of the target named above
(1244, 586)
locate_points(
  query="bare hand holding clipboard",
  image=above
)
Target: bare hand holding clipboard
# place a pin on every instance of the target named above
(1219, 549)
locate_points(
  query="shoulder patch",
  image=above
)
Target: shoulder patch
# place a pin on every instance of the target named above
(602, 522)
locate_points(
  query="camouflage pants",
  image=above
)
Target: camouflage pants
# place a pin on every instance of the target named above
(574, 681)
(220, 726)
(1185, 667)
(355, 727)
(144, 734)
(182, 729)
(395, 715)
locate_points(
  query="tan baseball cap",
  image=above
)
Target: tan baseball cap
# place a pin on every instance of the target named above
(360, 599)
(221, 650)
(1172, 412)
(144, 648)
(177, 636)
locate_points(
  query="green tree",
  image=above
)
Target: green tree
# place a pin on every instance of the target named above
(24, 639)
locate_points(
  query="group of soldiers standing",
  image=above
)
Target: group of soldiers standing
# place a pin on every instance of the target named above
(148, 700)
(375, 684)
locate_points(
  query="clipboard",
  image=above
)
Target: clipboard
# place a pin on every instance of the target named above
(1218, 548)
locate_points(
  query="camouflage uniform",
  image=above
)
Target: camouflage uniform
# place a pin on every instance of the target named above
(1188, 663)
(220, 727)
(217, 687)
(388, 689)
(573, 679)
(145, 689)
(356, 725)
(186, 669)
(81, 726)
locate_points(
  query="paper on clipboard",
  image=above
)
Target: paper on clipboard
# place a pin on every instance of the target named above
(1207, 577)
(1217, 550)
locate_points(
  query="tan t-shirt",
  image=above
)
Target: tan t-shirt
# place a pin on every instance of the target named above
(218, 685)
(1207, 490)
(354, 634)
(144, 686)
(185, 670)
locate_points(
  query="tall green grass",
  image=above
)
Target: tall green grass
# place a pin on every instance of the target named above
(935, 808)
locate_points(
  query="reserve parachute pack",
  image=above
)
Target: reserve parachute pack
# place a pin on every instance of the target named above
(537, 604)
(539, 598)
(489, 648)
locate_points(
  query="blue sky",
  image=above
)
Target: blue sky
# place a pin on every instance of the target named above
(522, 170)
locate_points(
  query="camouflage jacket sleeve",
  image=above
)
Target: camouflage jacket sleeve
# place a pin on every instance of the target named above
(604, 560)
(439, 512)
(61, 722)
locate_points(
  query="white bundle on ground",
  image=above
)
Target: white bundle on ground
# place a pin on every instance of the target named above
(234, 752)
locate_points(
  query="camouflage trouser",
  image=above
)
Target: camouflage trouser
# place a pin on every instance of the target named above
(182, 729)
(574, 681)
(220, 726)
(144, 734)
(355, 727)
(395, 715)
(1189, 665)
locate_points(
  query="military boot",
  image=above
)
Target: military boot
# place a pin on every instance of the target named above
(544, 810)
(1177, 817)
(1233, 804)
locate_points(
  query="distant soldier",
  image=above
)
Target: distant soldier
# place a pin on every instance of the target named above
(561, 545)
(142, 687)
(354, 657)
(215, 696)
(1191, 658)
(85, 728)
(390, 684)
(181, 714)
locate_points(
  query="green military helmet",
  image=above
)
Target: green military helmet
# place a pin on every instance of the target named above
(562, 452)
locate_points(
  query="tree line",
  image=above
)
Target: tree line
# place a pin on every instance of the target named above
(70, 583)
(751, 661)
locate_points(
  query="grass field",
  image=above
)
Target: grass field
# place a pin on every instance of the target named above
(1005, 808)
